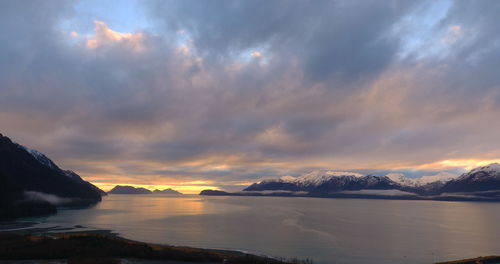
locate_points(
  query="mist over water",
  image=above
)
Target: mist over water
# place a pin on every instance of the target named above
(326, 230)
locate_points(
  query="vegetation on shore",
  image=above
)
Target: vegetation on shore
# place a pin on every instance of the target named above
(95, 248)
(479, 260)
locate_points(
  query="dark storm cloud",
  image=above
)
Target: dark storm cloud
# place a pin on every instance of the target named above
(241, 90)
(340, 40)
(477, 58)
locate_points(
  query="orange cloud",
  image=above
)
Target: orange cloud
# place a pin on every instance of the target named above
(466, 164)
(105, 35)
(256, 54)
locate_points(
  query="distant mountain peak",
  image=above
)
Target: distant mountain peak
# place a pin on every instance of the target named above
(482, 173)
(323, 181)
(327, 181)
(480, 179)
(166, 191)
(401, 179)
(318, 177)
(125, 189)
(493, 167)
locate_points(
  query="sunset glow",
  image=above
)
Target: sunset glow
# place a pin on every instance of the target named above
(163, 95)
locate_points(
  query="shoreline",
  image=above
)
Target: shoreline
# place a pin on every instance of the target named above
(340, 195)
(29, 228)
(38, 240)
(29, 235)
(478, 260)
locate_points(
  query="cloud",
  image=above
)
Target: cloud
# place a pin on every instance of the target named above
(104, 36)
(340, 40)
(256, 54)
(234, 92)
(50, 198)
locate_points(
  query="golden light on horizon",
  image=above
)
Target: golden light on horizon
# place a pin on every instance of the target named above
(466, 164)
(109, 173)
(185, 189)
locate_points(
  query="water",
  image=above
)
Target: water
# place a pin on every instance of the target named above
(326, 230)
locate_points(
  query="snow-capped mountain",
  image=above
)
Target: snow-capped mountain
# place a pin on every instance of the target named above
(441, 177)
(318, 177)
(336, 181)
(488, 172)
(45, 161)
(480, 184)
(25, 171)
(39, 156)
(401, 179)
(324, 181)
(486, 178)
(306, 182)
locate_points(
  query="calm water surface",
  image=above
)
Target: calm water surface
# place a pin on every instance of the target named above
(327, 230)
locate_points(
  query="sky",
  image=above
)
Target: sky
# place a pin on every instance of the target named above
(220, 94)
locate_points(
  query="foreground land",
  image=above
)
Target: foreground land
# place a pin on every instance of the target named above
(103, 247)
(91, 247)
(479, 260)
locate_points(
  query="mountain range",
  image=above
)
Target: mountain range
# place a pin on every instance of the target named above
(121, 189)
(32, 184)
(482, 183)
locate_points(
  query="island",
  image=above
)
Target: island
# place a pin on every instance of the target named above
(167, 191)
(125, 189)
(119, 189)
(214, 192)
